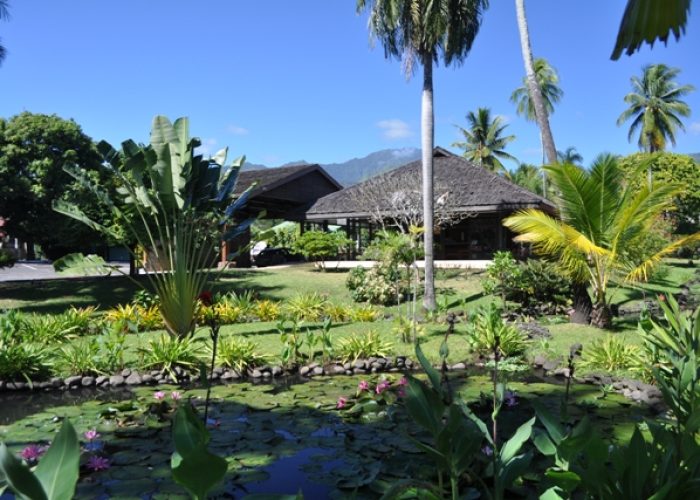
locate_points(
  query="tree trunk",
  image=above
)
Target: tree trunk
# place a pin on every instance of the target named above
(31, 254)
(427, 139)
(532, 85)
(601, 316)
(133, 268)
(583, 306)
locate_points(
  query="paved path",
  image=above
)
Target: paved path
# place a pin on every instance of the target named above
(31, 270)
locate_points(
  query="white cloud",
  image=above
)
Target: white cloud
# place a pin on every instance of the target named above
(237, 130)
(394, 129)
(695, 128)
(208, 147)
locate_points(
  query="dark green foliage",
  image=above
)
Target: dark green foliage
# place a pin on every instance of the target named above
(34, 148)
(24, 361)
(537, 286)
(321, 245)
(167, 353)
(7, 259)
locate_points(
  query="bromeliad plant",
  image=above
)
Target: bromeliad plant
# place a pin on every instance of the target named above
(173, 203)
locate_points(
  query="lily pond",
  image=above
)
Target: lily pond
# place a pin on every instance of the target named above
(278, 438)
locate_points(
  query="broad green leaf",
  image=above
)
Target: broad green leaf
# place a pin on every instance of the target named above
(566, 480)
(513, 445)
(554, 428)
(432, 373)
(58, 469)
(82, 264)
(200, 471)
(19, 477)
(424, 405)
(189, 432)
(552, 493)
(543, 443)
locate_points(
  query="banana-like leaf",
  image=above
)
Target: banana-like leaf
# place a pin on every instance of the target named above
(432, 373)
(58, 469)
(513, 445)
(86, 265)
(74, 212)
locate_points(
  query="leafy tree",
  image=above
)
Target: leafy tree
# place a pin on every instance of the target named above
(529, 177)
(570, 155)
(655, 107)
(425, 31)
(535, 91)
(602, 220)
(320, 245)
(649, 20)
(484, 141)
(675, 168)
(33, 150)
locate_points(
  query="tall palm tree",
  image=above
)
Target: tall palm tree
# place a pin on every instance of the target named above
(423, 31)
(548, 83)
(4, 14)
(602, 221)
(655, 107)
(534, 90)
(528, 176)
(570, 155)
(484, 142)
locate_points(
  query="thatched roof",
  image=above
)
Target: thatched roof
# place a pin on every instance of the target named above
(469, 188)
(271, 178)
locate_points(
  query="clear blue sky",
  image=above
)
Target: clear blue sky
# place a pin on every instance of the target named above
(281, 81)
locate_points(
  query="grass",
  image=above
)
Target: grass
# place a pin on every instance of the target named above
(462, 289)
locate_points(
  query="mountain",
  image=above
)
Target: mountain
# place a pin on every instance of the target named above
(359, 169)
(695, 156)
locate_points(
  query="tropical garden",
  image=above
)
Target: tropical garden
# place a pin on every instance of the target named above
(573, 374)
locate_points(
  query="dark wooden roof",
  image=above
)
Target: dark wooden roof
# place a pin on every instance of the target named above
(268, 179)
(470, 188)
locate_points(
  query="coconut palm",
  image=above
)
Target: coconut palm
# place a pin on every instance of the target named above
(570, 155)
(484, 142)
(647, 21)
(602, 221)
(528, 176)
(4, 14)
(420, 31)
(655, 107)
(534, 90)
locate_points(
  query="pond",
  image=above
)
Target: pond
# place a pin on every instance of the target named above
(277, 438)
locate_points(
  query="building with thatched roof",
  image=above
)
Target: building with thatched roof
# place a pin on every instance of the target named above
(470, 204)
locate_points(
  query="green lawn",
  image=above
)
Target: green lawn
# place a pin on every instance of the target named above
(462, 289)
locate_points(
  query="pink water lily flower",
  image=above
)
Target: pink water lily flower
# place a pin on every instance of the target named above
(175, 396)
(401, 392)
(33, 452)
(403, 381)
(159, 396)
(91, 434)
(341, 403)
(382, 386)
(96, 463)
(363, 386)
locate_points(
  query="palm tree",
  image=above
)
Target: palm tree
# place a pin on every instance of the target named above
(655, 107)
(641, 24)
(528, 176)
(538, 101)
(4, 14)
(570, 155)
(483, 141)
(419, 30)
(602, 221)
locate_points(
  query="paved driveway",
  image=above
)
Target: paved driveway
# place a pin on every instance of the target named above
(23, 271)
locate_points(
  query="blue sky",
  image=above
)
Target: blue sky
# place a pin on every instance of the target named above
(282, 81)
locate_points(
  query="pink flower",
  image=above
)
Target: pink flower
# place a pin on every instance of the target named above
(91, 434)
(96, 463)
(382, 386)
(159, 396)
(403, 381)
(33, 452)
(401, 392)
(341, 403)
(363, 386)
(175, 396)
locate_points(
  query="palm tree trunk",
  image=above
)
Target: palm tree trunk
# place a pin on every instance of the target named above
(532, 86)
(583, 305)
(427, 139)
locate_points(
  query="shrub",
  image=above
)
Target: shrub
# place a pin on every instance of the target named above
(487, 331)
(267, 310)
(244, 302)
(338, 313)
(319, 245)
(227, 312)
(7, 259)
(612, 353)
(80, 357)
(404, 329)
(135, 317)
(49, 328)
(365, 314)
(380, 284)
(239, 354)
(83, 319)
(144, 298)
(22, 360)
(367, 345)
(167, 353)
(537, 286)
(306, 307)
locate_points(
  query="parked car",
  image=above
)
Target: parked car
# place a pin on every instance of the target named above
(274, 257)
